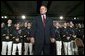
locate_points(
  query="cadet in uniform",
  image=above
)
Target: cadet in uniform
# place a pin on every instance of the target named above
(58, 39)
(66, 39)
(8, 38)
(26, 38)
(80, 35)
(24, 35)
(73, 37)
(3, 34)
(17, 40)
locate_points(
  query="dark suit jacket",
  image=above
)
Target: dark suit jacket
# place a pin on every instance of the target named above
(41, 34)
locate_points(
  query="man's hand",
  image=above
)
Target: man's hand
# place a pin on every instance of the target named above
(17, 39)
(63, 35)
(52, 40)
(32, 40)
(13, 37)
(74, 36)
(7, 37)
(68, 38)
(4, 35)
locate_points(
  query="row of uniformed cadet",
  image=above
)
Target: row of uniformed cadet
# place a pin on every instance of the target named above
(65, 37)
(16, 38)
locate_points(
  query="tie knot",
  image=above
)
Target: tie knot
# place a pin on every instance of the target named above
(44, 17)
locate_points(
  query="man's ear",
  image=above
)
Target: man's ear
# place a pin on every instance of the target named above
(46, 10)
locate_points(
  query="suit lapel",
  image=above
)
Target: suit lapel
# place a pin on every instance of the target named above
(46, 21)
(40, 20)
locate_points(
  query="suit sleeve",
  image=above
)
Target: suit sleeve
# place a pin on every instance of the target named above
(33, 27)
(52, 33)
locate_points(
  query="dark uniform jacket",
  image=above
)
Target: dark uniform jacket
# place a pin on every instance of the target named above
(66, 34)
(17, 36)
(58, 34)
(8, 31)
(26, 33)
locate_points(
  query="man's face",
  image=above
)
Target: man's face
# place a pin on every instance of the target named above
(65, 25)
(43, 10)
(2, 25)
(57, 24)
(9, 21)
(79, 25)
(29, 24)
(18, 25)
(71, 24)
(25, 24)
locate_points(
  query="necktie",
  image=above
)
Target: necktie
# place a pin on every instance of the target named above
(44, 20)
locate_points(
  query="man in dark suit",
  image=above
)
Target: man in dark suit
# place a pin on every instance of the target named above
(43, 33)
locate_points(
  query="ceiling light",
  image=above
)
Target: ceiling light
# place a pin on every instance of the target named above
(2, 17)
(5, 16)
(23, 17)
(61, 17)
(74, 17)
